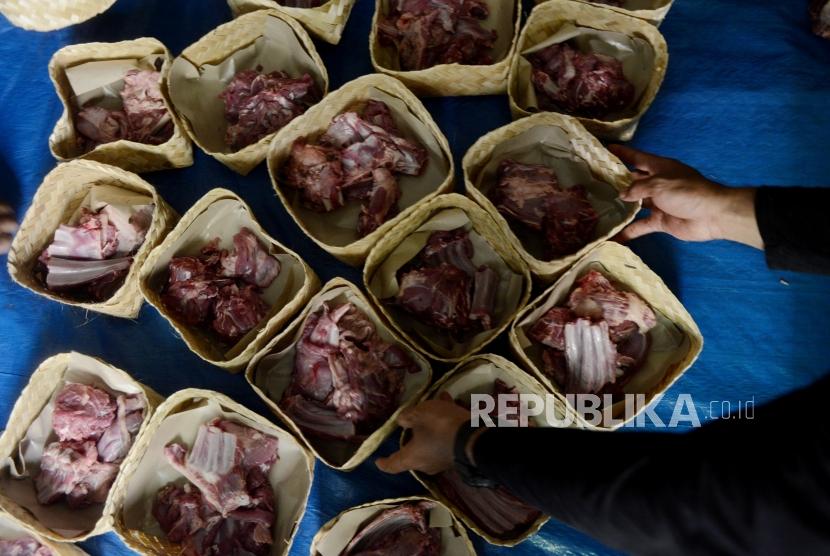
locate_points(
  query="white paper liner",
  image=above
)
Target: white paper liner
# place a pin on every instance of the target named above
(17, 477)
(273, 372)
(333, 541)
(636, 54)
(12, 531)
(290, 477)
(102, 195)
(384, 283)
(223, 219)
(550, 146)
(339, 227)
(195, 90)
(101, 81)
(502, 19)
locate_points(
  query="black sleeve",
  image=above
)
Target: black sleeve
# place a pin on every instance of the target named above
(744, 486)
(795, 227)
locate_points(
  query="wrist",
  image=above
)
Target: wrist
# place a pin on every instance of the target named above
(736, 220)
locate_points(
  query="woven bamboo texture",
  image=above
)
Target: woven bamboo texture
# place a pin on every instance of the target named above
(284, 339)
(56, 199)
(325, 22)
(620, 264)
(37, 393)
(48, 15)
(176, 152)
(183, 400)
(198, 343)
(548, 17)
(448, 79)
(604, 166)
(484, 224)
(654, 15)
(317, 119)
(220, 43)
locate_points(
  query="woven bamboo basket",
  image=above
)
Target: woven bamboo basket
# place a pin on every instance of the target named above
(11, 530)
(603, 165)
(338, 531)
(547, 18)
(680, 339)
(196, 99)
(452, 79)
(176, 152)
(38, 393)
(45, 15)
(387, 252)
(178, 419)
(61, 192)
(477, 374)
(654, 12)
(220, 213)
(325, 22)
(338, 455)
(353, 250)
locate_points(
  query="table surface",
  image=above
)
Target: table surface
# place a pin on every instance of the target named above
(745, 101)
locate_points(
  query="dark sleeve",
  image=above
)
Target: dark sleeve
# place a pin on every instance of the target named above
(795, 228)
(744, 486)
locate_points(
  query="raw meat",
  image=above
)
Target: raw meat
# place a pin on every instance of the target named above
(403, 529)
(26, 546)
(143, 116)
(426, 33)
(529, 197)
(230, 506)
(257, 104)
(82, 412)
(115, 442)
(596, 298)
(347, 380)
(590, 355)
(549, 330)
(355, 159)
(222, 288)
(583, 84)
(820, 15)
(72, 469)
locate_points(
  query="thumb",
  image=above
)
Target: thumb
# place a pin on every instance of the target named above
(638, 228)
(396, 463)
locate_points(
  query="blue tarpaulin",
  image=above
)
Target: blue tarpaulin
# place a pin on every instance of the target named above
(745, 101)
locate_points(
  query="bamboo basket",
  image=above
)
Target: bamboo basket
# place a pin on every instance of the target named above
(660, 370)
(146, 468)
(547, 18)
(336, 455)
(224, 210)
(176, 152)
(451, 79)
(43, 15)
(205, 121)
(603, 165)
(353, 250)
(325, 22)
(654, 14)
(61, 192)
(385, 252)
(37, 394)
(340, 529)
(12, 530)
(460, 382)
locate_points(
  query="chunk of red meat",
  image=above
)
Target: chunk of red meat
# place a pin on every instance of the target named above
(583, 84)
(147, 114)
(571, 222)
(115, 442)
(378, 113)
(365, 388)
(452, 247)
(82, 412)
(99, 125)
(549, 330)
(381, 204)
(250, 261)
(237, 311)
(72, 469)
(402, 529)
(258, 104)
(438, 296)
(317, 171)
(259, 450)
(596, 298)
(191, 300)
(379, 149)
(820, 16)
(24, 546)
(181, 511)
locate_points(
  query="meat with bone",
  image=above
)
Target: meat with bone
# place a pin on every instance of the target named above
(347, 380)
(426, 33)
(25, 546)
(72, 470)
(355, 159)
(820, 15)
(82, 412)
(229, 507)
(529, 197)
(402, 529)
(222, 288)
(115, 441)
(257, 104)
(583, 84)
(143, 117)
(442, 286)
(594, 344)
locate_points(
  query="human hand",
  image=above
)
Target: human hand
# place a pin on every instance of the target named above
(684, 203)
(434, 424)
(8, 226)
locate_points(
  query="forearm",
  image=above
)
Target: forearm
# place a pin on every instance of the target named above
(737, 221)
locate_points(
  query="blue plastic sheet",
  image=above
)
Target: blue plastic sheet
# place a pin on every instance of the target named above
(745, 101)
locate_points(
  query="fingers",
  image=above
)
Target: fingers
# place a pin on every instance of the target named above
(638, 228)
(639, 160)
(408, 417)
(640, 190)
(396, 463)
(445, 397)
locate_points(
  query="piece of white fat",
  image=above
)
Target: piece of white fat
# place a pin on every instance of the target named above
(132, 223)
(590, 355)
